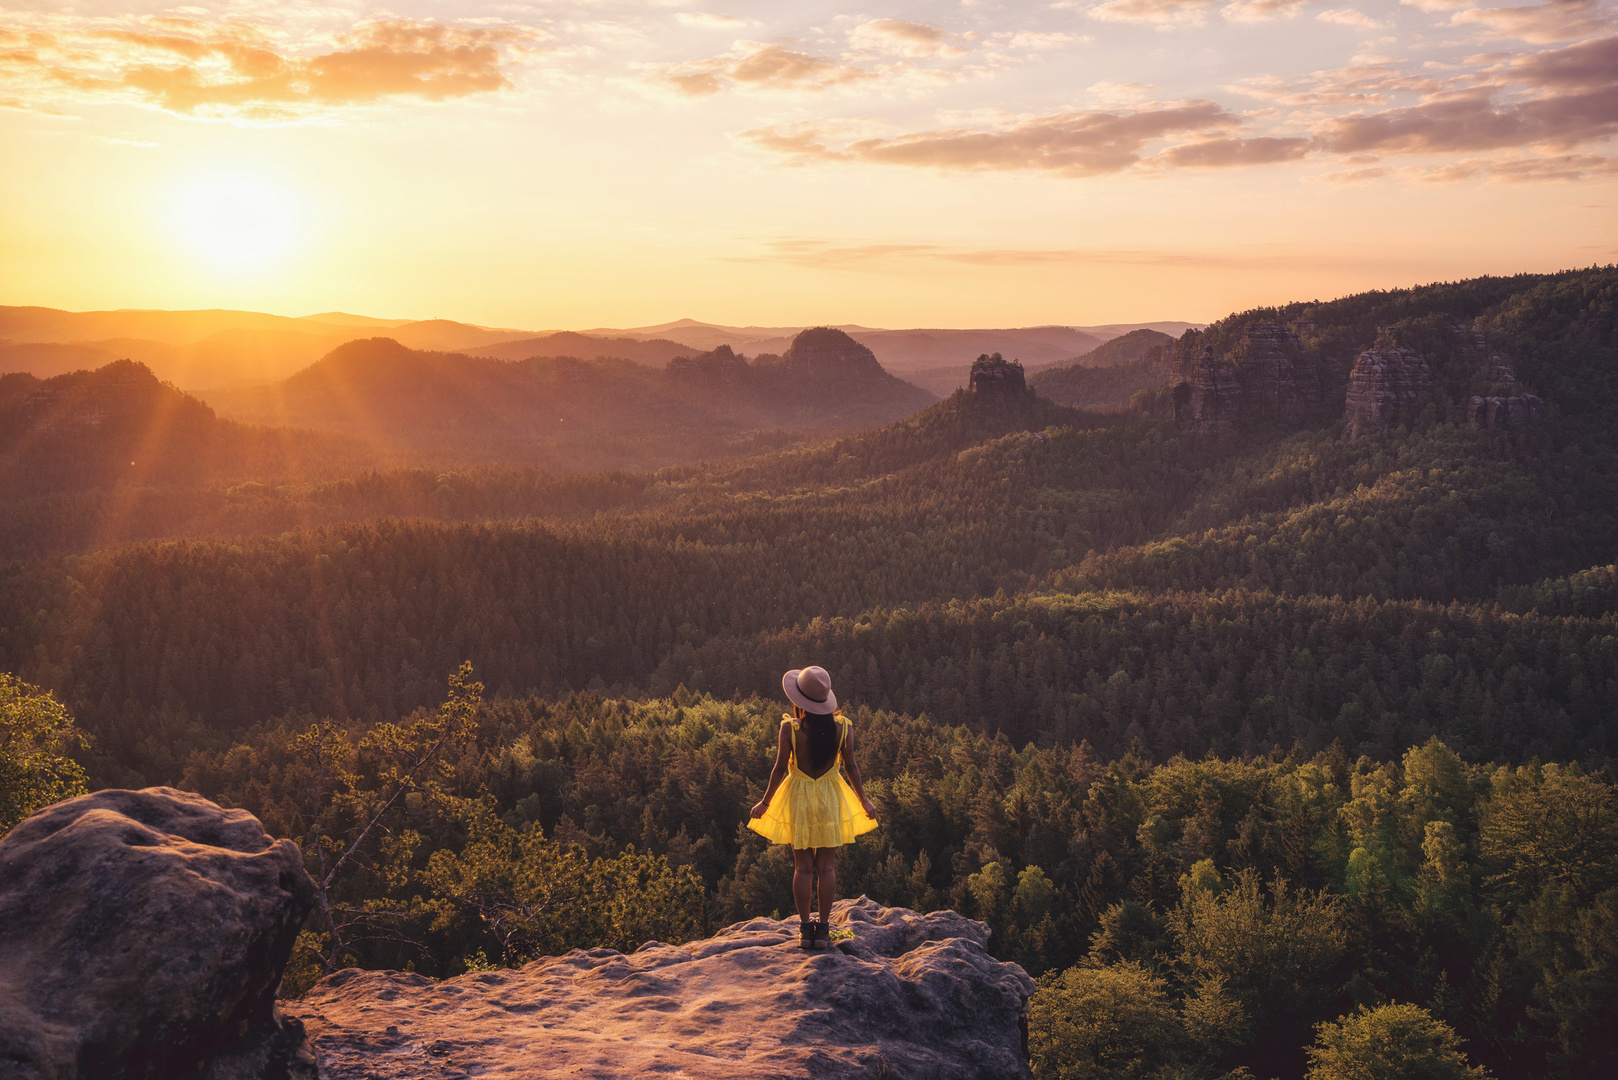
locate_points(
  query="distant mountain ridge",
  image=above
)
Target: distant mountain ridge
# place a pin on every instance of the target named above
(209, 349)
(652, 352)
(574, 413)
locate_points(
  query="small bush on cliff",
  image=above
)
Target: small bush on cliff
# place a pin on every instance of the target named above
(36, 732)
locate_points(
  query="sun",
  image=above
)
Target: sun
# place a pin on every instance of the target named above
(236, 221)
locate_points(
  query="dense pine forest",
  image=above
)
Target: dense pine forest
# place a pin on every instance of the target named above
(1258, 747)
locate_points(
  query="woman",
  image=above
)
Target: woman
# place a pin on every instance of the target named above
(808, 803)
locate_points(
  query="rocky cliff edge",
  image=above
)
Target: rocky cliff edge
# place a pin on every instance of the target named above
(143, 935)
(914, 997)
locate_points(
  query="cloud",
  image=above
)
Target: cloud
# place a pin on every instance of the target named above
(1350, 17)
(1115, 94)
(236, 70)
(1562, 167)
(1158, 12)
(1471, 120)
(1040, 41)
(903, 38)
(1256, 11)
(1373, 82)
(1066, 144)
(854, 255)
(710, 22)
(1560, 20)
(1589, 65)
(756, 65)
(1222, 153)
(1523, 170)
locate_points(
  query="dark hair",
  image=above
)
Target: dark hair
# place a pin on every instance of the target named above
(821, 730)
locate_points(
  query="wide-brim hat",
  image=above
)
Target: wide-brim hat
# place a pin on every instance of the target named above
(810, 689)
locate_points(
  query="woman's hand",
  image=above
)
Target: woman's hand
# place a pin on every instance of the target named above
(758, 809)
(870, 810)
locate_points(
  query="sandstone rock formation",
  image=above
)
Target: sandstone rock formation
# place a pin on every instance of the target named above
(995, 376)
(1517, 410)
(1208, 398)
(143, 935)
(1384, 387)
(1275, 382)
(913, 996)
(1266, 377)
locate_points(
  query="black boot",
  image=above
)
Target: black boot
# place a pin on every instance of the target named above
(809, 935)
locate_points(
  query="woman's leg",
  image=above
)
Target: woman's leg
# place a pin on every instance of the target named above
(803, 876)
(826, 871)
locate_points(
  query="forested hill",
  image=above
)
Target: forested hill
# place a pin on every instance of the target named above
(119, 426)
(1310, 586)
(1363, 551)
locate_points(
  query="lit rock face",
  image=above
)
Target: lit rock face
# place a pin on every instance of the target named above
(1384, 387)
(1208, 399)
(912, 996)
(143, 935)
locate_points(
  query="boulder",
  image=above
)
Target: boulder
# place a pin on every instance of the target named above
(143, 935)
(911, 996)
(1384, 387)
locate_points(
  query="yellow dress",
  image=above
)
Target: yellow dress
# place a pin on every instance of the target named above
(810, 812)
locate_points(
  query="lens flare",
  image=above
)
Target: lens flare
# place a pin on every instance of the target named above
(237, 221)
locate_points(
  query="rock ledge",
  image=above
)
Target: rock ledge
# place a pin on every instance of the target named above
(912, 997)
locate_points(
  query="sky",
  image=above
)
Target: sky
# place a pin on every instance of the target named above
(586, 163)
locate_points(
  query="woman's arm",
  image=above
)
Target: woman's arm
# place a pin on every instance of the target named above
(783, 751)
(853, 768)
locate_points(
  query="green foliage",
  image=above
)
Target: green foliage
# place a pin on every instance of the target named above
(535, 898)
(1391, 1040)
(1549, 825)
(1260, 960)
(1101, 1024)
(36, 732)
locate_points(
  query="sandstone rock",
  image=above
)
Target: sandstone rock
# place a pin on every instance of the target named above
(913, 996)
(1208, 398)
(1518, 410)
(143, 935)
(1384, 387)
(995, 376)
(1275, 383)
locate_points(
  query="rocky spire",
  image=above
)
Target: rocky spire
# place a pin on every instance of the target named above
(995, 376)
(1384, 387)
(1208, 398)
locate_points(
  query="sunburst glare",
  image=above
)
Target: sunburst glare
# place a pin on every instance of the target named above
(237, 221)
